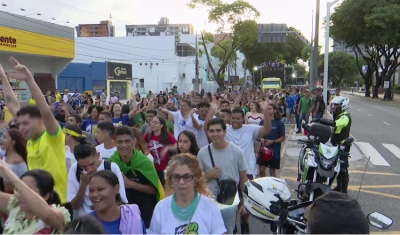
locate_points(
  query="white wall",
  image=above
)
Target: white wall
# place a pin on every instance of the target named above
(167, 69)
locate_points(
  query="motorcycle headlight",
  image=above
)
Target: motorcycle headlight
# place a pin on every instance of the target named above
(327, 163)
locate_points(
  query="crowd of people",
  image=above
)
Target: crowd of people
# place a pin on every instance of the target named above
(277, 63)
(153, 165)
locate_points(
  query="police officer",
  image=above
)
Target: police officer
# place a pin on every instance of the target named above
(342, 131)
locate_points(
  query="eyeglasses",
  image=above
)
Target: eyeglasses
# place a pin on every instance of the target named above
(186, 178)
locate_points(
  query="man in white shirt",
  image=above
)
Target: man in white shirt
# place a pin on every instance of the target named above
(84, 168)
(202, 110)
(104, 134)
(184, 119)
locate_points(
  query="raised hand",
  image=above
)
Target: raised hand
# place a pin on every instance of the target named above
(22, 72)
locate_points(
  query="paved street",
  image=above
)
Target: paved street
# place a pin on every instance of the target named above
(376, 128)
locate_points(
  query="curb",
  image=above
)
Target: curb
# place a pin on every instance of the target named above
(283, 151)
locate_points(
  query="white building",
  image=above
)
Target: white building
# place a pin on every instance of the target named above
(156, 62)
(342, 47)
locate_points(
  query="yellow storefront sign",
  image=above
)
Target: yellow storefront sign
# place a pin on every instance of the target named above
(21, 41)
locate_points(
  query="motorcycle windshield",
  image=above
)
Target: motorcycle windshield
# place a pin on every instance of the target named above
(327, 151)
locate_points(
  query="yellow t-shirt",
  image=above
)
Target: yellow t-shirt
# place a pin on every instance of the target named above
(48, 153)
(7, 114)
(58, 97)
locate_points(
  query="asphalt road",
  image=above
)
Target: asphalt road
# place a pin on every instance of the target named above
(375, 124)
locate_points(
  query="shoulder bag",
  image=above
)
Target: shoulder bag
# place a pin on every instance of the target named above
(227, 189)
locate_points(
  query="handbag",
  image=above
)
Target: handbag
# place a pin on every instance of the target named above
(227, 189)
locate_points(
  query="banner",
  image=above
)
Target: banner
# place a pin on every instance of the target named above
(21, 41)
(119, 71)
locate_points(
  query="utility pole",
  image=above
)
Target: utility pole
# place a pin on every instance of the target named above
(326, 58)
(314, 61)
(197, 64)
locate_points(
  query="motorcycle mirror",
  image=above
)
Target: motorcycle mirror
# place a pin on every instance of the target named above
(379, 220)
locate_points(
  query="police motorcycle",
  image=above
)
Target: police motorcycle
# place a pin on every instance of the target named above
(269, 200)
(318, 163)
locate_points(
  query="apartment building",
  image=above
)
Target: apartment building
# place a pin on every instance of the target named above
(104, 29)
(163, 28)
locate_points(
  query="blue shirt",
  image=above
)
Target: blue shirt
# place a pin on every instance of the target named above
(113, 226)
(291, 101)
(123, 120)
(277, 131)
(298, 97)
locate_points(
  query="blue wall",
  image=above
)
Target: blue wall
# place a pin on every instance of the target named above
(83, 77)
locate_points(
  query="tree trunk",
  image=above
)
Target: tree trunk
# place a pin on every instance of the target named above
(367, 82)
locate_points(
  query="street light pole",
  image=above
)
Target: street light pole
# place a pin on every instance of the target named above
(326, 56)
(314, 58)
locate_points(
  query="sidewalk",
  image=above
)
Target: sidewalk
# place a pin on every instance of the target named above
(396, 96)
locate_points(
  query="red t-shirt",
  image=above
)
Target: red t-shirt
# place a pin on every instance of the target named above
(155, 149)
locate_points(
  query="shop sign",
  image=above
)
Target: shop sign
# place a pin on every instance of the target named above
(8, 41)
(118, 71)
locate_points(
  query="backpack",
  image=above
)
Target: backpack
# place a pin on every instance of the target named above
(107, 166)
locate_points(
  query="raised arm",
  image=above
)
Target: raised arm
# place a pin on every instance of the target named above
(11, 100)
(23, 73)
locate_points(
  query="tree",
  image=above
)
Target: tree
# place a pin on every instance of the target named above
(293, 50)
(236, 22)
(373, 24)
(343, 67)
(300, 70)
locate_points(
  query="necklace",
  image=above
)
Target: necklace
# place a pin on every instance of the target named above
(184, 213)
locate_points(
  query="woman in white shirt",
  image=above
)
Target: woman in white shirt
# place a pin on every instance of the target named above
(190, 209)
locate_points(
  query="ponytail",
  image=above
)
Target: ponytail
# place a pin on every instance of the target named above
(54, 198)
(84, 149)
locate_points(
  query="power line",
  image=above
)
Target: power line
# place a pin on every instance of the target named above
(72, 8)
(91, 38)
(64, 51)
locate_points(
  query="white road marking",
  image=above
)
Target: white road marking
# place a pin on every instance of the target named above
(370, 152)
(369, 115)
(386, 123)
(393, 149)
(359, 110)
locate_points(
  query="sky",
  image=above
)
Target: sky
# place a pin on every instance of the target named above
(296, 13)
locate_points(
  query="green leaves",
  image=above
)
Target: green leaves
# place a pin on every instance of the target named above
(236, 21)
(344, 66)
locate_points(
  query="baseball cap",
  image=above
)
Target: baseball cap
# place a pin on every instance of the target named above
(338, 213)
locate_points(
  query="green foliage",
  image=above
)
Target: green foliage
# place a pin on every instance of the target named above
(397, 87)
(293, 50)
(300, 70)
(227, 15)
(375, 24)
(237, 21)
(343, 66)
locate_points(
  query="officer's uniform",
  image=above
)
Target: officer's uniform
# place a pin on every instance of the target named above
(342, 132)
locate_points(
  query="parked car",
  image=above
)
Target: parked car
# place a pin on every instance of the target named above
(361, 90)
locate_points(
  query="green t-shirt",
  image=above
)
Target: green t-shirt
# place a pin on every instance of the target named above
(170, 126)
(305, 104)
(245, 109)
(139, 120)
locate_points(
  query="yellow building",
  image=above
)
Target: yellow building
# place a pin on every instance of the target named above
(45, 48)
